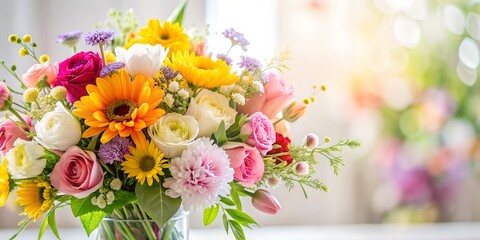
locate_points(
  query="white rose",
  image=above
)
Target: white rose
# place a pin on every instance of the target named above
(58, 129)
(142, 58)
(210, 109)
(25, 159)
(173, 132)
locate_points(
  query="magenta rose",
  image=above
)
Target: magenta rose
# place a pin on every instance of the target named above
(77, 173)
(260, 132)
(77, 72)
(9, 132)
(246, 161)
(278, 93)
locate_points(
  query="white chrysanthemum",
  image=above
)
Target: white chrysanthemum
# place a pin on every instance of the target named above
(238, 98)
(169, 100)
(116, 184)
(173, 86)
(200, 176)
(183, 93)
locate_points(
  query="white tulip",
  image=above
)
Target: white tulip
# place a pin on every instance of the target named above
(142, 58)
(173, 132)
(58, 129)
(210, 109)
(25, 159)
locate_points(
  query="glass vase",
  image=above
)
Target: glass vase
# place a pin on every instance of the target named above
(129, 227)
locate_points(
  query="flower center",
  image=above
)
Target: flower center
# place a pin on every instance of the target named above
(147, 163)
(40, 194)
(165, 36)
(121, 110)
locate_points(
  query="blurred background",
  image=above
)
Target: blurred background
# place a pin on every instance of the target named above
(401, 76)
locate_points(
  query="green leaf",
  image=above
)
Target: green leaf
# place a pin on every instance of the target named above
(84, 205)
(178, 12)
(210, 214)
(53, 223)
(225, 222)
(235, 197)
(237, 230)
(43, 227)
(90, 221)
(155, 203)
(220, 136)
(241, 217)
(227, 201)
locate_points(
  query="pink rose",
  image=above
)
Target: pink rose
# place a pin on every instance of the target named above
(265, 202)
(77, 72)
(260, 132)
(9, 132)
(246, 161)
(37, 72)
(77, 173)
(277, 95)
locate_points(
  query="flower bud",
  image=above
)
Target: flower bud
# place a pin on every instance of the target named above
(301, 168)
(310, 141)
(30, 95)
(58, 93)
(44, 58)
(274, 182)
(23, 52)
(294, 111)
(265, 202)
(12, 38)
(27, 38)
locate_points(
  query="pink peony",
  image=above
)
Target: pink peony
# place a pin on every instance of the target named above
(277, 95)
(265, 202)
(5, 97)
(246, 162)
(38, 71)
(200, 176)
(77, 173)
(260, 131)
(9, 132)
(76, 72)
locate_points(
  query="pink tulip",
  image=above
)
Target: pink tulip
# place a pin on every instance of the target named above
(246, 161)
(265, 202)
(5, 97)
(294, 111)
(77, 173)
(277, 95)
(9, 132)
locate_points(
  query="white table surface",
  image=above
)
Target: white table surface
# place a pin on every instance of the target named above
(443, 231)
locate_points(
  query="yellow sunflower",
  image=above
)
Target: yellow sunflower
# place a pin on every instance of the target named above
(36, 196)
(118, 106)
(145, 161)
(4, 183)
(169, 35)
(202, 71)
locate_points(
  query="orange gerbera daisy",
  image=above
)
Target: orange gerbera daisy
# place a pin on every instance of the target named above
(118, 106)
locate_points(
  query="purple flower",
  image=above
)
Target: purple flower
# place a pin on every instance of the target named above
(114, 150)
(70, 38)
(236, 38)
(251, 64)
(98, 37)
(224, 58)
(168, 73)
(111, 67)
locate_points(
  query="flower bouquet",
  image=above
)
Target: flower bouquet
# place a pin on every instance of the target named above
(149, 128)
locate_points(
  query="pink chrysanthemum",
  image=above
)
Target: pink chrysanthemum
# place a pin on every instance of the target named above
(200, 175)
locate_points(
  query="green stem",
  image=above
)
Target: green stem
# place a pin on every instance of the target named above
(231, 46)
(102, 54)
(279, 120)
(146, 224)
(14, 74)
(20, 119)
(20, 106)
(108, 230)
